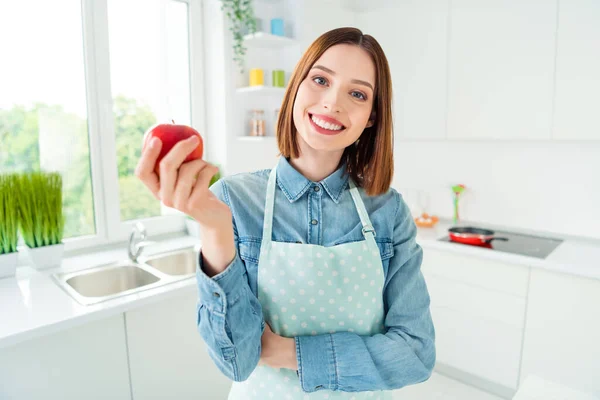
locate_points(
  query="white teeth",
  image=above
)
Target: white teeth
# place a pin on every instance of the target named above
(326, 125)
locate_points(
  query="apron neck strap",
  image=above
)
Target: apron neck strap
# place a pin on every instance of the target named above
(269, 206)
(362, 211)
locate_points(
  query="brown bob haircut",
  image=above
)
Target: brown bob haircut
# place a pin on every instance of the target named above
(369, 161)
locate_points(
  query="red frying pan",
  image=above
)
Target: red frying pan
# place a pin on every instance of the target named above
(474, 236)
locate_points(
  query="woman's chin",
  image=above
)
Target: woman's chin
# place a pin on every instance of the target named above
(321, 142)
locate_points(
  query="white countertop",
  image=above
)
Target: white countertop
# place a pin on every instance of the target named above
(574, 256)
(32, 304)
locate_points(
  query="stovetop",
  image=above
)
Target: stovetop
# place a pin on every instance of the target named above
(526, 245)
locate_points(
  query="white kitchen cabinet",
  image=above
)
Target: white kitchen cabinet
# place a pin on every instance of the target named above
(85, 362)
(562, 331)
(578, 71)
(478, 309)
(168, 359)
(501, 69)
(417, 54)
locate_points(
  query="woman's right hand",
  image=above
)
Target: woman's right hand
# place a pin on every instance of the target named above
(184, 186)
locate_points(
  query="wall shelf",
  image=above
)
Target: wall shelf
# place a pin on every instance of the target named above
(263, 39)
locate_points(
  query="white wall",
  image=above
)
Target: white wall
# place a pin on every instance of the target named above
(536, 184)
(217, 62)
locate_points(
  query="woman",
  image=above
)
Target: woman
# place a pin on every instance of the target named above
(309, 277)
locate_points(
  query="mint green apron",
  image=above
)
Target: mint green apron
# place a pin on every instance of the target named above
(306, 289)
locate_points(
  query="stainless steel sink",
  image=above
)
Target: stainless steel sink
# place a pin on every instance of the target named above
(105, 282)
(109, 281)
(174, 263)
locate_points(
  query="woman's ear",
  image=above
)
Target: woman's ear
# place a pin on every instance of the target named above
(371, 120)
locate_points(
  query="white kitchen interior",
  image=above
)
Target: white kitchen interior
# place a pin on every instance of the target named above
(502, 96)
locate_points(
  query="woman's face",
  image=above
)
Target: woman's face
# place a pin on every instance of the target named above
(334, 102)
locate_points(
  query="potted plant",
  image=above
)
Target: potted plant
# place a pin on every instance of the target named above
(241, 17)
(192, 226)
(8, 225)
(41, 219)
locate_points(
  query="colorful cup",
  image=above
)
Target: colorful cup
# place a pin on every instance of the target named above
(277, 27)
(278, 78)
(257, 77)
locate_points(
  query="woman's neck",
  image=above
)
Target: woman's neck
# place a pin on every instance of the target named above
(316, 165)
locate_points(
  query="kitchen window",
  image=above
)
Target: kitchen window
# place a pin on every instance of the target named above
(83, 82)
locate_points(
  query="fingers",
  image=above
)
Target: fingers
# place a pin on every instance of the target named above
(186, 180)
(145, 167)
(169, 166)
(204, 176)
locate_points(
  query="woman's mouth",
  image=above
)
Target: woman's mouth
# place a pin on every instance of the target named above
(324, 125)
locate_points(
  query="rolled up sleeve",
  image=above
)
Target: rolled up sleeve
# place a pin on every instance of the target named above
(229, 316)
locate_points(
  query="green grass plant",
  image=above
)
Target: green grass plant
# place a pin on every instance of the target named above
(41, 218)
(9, 221)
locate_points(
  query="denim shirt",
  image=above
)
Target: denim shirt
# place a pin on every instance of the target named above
(230, 318)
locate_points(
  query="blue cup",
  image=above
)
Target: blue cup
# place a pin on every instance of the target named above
(277, 27)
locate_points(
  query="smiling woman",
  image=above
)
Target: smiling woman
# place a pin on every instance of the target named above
(309, 275)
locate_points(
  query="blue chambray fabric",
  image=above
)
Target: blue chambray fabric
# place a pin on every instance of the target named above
(230, 317)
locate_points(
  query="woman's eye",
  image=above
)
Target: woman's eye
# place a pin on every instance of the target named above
(359, 95)
(319, 80)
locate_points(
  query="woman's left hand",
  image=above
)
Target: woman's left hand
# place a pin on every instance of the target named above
(277, 351)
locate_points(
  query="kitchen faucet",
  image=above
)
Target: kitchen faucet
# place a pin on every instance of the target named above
(137, 245)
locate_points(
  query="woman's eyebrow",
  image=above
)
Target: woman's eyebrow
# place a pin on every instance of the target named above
(365, 83)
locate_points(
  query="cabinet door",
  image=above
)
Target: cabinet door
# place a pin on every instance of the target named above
(562, 331)
(168, 359)
(417, 54)
(478, 310)
(501, 69)
(578, 71)
(85, 362)
(482, 347)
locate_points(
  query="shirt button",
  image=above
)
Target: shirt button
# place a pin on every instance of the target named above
(317, 188)
(314, 222)
(216, 294)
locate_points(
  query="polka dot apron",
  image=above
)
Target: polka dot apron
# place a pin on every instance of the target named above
(307, 289)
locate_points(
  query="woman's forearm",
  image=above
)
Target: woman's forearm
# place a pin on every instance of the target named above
(218, 250)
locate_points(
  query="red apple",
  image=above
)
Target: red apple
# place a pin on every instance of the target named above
(169, 135)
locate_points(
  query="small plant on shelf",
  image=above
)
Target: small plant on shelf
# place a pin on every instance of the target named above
(241, 16)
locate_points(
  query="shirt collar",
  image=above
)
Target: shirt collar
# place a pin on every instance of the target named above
(294, 184)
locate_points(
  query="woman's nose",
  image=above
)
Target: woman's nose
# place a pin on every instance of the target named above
(331, 101)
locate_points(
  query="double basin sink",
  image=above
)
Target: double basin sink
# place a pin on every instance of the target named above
(109, 281)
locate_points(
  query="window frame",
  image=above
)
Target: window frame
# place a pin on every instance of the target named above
(103, 160)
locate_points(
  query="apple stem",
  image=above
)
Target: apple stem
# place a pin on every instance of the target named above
(173, 121)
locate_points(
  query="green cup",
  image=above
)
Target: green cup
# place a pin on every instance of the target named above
(278, 78)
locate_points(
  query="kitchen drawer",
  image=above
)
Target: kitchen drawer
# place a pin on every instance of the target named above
(477, 301)
(482, 347)
(488, 274)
